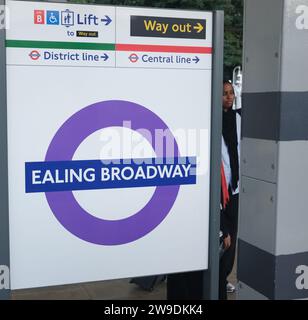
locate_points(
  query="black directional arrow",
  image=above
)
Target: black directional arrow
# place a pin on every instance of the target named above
(196, 59)
(105, 57)
(107, 20)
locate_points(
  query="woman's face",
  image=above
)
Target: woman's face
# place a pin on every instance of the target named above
(228, 96)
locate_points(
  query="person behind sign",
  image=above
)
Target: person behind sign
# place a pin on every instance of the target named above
(230, 167)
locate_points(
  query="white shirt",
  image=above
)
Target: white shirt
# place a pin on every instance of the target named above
(225, 154)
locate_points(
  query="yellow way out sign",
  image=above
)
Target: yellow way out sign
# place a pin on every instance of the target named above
(164, 27)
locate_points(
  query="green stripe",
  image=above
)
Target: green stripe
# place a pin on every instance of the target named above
(59, 45)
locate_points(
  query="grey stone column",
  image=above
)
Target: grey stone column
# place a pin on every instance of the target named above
(273, 225)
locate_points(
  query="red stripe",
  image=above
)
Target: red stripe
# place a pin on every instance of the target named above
(154, 48)
(224, 187)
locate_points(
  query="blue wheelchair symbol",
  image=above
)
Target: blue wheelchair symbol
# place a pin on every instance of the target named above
(52, 17)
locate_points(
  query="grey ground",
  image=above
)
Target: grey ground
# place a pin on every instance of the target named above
(104, 290)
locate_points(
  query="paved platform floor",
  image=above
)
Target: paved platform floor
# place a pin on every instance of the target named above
(103, 290)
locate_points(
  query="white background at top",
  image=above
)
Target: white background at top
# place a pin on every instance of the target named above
(118, 31)
(22, 14)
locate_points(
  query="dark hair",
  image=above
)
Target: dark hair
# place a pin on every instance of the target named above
(228, 82)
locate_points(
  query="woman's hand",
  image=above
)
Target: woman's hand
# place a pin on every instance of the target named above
(227, 242)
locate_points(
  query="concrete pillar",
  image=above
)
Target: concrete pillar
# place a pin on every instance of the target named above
(273, 225)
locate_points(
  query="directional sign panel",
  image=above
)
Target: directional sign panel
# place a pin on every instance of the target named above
(107, 104)
(160, 27)
(60, 35)
(150, 38)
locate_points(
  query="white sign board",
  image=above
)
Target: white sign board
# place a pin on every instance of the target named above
(109, 140)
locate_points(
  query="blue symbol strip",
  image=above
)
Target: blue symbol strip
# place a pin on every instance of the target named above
(109, 174)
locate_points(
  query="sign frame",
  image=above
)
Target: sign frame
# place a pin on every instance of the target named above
(4, 196)
(210, 276)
